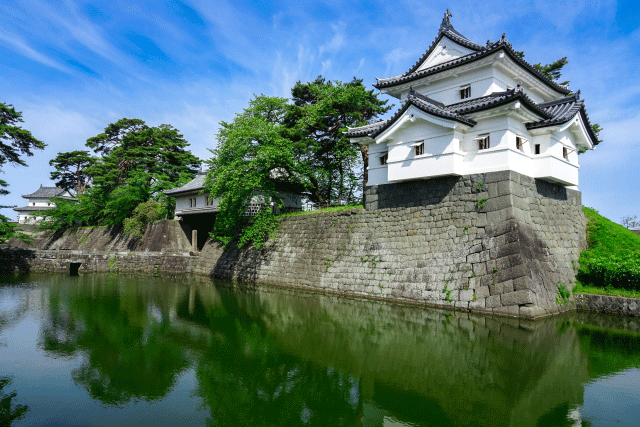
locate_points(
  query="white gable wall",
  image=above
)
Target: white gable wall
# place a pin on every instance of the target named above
(445, 50)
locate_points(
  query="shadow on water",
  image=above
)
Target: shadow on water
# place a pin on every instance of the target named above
(272, 357)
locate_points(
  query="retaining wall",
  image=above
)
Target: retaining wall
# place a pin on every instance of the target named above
(498, 243)
(620, 306)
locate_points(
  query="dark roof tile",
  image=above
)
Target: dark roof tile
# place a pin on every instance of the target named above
(193, 186)
(502, 44)
(45, 192)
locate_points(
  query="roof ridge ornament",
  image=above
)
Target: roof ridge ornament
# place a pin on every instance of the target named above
(446, 22)
(578, 94)
(411, 91)
(503, 39)
(518, 87)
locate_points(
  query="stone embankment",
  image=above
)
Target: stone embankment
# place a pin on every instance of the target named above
(619, 306)
(499, 243)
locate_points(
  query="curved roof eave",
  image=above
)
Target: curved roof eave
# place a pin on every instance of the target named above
(470, 58)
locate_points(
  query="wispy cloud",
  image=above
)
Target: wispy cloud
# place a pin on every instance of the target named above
(21, 47)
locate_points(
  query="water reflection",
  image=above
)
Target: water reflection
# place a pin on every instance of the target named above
(10, 411)
(271, 357)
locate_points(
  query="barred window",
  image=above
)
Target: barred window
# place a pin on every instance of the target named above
(419, 149)
(384, 159)
(483, 142)
(465, 92)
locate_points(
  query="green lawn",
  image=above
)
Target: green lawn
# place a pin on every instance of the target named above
(611, 263)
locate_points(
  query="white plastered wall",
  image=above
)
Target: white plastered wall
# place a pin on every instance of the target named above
(445, 50)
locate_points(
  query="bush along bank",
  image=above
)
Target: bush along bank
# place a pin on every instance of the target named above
(611, 263)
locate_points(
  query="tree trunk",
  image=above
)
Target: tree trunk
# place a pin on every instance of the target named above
(364, 150)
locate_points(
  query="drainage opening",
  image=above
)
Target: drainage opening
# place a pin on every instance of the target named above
(74, 267)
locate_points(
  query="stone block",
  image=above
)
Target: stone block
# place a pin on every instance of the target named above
(498, 203)
(466, 295)
(511, 311)
(518, 298)
(493, 301)
(482, 292)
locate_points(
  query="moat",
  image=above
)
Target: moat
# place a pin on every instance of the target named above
(102, 349)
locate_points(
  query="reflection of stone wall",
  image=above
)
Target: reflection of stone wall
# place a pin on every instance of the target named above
(493, 371)
(497, 243)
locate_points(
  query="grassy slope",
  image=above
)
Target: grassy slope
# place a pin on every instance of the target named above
(606, 238)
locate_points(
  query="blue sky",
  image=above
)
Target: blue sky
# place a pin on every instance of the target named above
(74, 67)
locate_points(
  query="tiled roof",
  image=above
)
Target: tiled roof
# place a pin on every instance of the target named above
(552, 113)
(501, 44)
(497, 99)
(445, 32)
(561, 111)
(423, 103)
(45, 192)
(195, 185)
(458, 112)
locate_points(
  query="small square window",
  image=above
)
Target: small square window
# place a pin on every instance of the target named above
(465, 92)
(565, 153)
(520, 143)
(483, 142)
(419, 149)
(384, 159)
(537, 149)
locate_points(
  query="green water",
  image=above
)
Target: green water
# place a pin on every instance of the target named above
(114, 350)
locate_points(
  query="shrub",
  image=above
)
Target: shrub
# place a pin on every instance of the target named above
(143, 214)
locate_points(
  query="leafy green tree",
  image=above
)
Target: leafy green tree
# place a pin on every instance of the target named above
(72, 170)
(321, 112)
(14, 143)
(275, 147)
(253, 159)
(137, 162)
(143, 214)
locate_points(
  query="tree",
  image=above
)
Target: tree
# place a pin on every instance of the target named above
(254, 158)
(276, 147)
(321, 112)
(72, 170)
(630, 221)
(137, 162)
(14, 143)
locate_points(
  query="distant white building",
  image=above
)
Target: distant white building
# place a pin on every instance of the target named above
(39, 203)
(190, 201)
(467, 109)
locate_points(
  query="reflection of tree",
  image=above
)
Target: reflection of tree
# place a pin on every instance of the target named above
(129, 354)
(245, 380)
(9, 412)
(609, 351)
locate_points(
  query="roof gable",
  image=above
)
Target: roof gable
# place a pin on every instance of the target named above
(444, 50)
(45, 193)
(500, 46)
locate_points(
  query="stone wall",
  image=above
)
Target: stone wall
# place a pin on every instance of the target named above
(160, 236)
(497, 243)
(620, 306)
